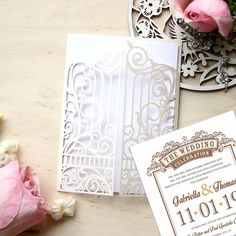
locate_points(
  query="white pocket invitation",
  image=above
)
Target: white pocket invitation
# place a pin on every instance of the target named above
(119, 91)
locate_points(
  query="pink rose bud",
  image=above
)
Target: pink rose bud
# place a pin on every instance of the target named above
(21, 205)
(204, 15)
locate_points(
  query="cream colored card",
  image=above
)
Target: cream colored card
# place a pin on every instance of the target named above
(118, 91)
(189, 177)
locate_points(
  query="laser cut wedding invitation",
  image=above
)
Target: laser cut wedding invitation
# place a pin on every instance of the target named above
(189, 177)
(118, 91)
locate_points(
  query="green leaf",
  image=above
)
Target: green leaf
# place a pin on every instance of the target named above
(232, 6)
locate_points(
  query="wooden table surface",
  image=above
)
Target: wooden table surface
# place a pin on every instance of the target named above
(32, 60)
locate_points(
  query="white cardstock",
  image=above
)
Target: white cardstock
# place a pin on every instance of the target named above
(189, 177)
(118, 91)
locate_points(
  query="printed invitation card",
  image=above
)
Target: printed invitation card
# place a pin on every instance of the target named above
(189, 177)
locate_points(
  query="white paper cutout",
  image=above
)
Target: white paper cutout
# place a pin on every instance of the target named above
(111, 84)
(149, 111)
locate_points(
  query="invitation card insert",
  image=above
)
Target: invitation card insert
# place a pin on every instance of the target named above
(189, 178)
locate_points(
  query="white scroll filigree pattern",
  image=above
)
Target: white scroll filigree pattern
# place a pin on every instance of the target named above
(205, 65)
(90, 127)
(116, 95)
(150, 110)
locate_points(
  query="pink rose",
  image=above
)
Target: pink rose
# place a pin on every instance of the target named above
(21, 205)
(204, 15)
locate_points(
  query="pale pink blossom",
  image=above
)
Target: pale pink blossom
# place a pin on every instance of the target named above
(21, 204)
(204, 15)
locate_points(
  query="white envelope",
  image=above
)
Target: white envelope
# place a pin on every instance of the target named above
(119, 91)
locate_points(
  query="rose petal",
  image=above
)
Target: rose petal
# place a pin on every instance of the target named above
(11, 193)
(224, 25)
(203, 23)
(10, 170)
(10, 201)
(31, 212)
(178, 6)
(30, 180)
(31, 209)
(212, 15)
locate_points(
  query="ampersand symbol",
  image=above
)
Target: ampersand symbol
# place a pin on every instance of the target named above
(206, 189)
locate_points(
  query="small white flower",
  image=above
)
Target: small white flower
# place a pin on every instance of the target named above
(222, 47)
(62, 207)
(8, 150)
(10, 146)
(189, 69)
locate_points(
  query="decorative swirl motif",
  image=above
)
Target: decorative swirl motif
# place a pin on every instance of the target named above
(108, 174)
(138, 60)
(132, 184)
(96, 136)
(90, 127)
(159, 90)
(137, 187)
(89, 109)
(151, 121)
(90, 114)
(69, 177)
(110, 130)
(106, 146)
(152, 102)
(95, 181)
(129, 131)
(75, 148)
(223, 141)
(126, 147)
(82, 77)
(168, 76)
(68, 130)
(126, 175)
(92, 94)
(71, 109)
(87, 180)
(167, 129)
